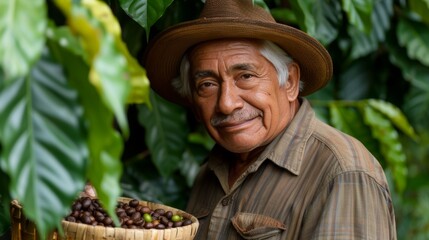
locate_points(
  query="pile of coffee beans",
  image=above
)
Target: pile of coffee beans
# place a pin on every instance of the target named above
(131, 215)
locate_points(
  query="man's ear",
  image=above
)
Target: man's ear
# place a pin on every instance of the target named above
(292, 84)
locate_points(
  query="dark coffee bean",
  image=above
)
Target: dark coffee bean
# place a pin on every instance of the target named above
(86, 203)
(160, 226)
(160, 211)
(145, 210)
(122, 214)
(139, 222)
(168, 214)
(130, 211)
(136, 215)
(107, 221)
(139, 208)
(155, 215)
(178, 224)
(71, 219)
(77, 206)
(86, 219)
(148, 225)
(75, 214)
(129, 222)
(170, 224)
(134, 203)
(187, 222)
(164, 220)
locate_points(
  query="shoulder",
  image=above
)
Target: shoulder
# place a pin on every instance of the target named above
(345, 153)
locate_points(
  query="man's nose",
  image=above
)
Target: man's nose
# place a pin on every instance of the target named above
(229, 98)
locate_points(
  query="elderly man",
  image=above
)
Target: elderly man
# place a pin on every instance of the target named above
(276, 171)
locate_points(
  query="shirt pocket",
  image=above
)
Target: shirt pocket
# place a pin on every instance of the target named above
(255, 226)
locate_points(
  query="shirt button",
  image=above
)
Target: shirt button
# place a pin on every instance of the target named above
(225, 201)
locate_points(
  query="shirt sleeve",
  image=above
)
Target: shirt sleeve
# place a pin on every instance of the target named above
(352, 206)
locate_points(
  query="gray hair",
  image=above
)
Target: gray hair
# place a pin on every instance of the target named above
(273, 53)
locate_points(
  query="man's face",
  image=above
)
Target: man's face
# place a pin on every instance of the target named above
(237, 96)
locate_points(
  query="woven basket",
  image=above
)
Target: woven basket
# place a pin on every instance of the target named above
(23, 229)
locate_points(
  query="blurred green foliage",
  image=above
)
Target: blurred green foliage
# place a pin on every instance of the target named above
(52, 105)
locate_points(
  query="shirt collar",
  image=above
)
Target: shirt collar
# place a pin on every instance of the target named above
(286, 150)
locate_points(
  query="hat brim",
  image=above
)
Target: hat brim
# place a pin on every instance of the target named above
(165, 52)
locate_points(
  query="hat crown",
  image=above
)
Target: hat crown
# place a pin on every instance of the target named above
(244, 9)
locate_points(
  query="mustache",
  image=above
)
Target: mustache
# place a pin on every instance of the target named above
(236, 116)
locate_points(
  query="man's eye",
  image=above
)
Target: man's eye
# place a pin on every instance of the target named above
(205, 85)
(246, 76)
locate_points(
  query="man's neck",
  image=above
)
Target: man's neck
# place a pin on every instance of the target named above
(241, 162)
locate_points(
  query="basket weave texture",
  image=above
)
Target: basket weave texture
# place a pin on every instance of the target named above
(23, 229)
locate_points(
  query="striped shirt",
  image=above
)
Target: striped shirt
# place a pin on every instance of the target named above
(310, 182)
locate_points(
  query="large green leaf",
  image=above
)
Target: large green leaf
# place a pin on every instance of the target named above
(414, 36)
(391, 148)
(416, 104)
(43, 143)
(145, 12)
(359, 13)
(304, 15)
(319, 18)
(355, 80)
(22, 28)
(349, 120)
(166, 133)
(364, 43)
(100, 35)
(328, 18)
(421, 7)
(395, 115)
(104, 142)
(115, 87)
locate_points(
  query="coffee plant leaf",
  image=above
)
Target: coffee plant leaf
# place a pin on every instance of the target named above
(99, 32)
(395, 115)
(421, 7)
(328, 17)
(284, 15)
(145, 12)
(390, 145)
(416, 106)
(359, 13)
(318, 18)
(348, 119)
(22, 28)
(114, 84)
(364, 43)
(414, 36)
(43, 143)
(355, 80)
(304, 15)
(166, 133)
(132, 74)
(104, 143)
(262, 4)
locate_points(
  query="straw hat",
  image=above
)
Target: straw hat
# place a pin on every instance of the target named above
(233, 19)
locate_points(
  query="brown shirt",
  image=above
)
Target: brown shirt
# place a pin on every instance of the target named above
(311, 182)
